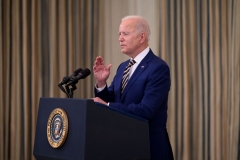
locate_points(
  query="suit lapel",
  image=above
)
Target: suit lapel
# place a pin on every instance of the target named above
(139, 70)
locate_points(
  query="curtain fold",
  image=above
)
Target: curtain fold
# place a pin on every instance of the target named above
(42, 41)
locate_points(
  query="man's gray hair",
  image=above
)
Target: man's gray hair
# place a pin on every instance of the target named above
(142, 24)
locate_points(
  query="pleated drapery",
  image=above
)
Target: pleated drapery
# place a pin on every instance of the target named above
(41, 41)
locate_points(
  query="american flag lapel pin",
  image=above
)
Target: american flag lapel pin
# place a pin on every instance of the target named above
(142, 66)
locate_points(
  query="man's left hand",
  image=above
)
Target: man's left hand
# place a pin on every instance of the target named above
(99, 100)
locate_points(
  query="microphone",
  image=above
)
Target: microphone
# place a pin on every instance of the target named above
(66, 79)
(83, 74)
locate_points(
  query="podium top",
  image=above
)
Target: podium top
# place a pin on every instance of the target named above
(104, 106)
(119, 111)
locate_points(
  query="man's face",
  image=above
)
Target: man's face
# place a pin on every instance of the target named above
(129, 40)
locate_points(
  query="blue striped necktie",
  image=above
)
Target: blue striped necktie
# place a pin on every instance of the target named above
(126, 74)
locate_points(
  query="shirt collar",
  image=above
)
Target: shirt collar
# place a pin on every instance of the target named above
(141, 55)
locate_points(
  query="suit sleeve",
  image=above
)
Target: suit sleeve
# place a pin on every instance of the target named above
(106, 94)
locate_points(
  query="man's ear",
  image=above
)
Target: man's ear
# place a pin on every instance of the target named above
(143, 37)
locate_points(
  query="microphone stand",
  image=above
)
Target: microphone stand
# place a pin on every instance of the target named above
(61, 87)
(70, 90)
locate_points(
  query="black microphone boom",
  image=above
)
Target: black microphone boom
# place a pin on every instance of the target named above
(66, 79)
(83, 74)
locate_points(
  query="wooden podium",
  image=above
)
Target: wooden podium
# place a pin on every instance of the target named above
(95, 132)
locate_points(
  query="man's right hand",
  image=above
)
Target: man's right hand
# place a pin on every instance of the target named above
(101, 71)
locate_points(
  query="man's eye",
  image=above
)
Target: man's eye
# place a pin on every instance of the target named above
(123, 33)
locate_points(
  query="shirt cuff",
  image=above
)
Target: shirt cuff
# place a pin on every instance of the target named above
(99, 89)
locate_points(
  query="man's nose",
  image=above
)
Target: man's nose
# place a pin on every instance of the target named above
(120, 39)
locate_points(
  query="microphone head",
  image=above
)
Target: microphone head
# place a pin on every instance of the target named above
(66, 79)
(83, 74)
(77, 71)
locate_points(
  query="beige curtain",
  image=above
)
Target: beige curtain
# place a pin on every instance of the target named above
(200, 42)
(41, 41)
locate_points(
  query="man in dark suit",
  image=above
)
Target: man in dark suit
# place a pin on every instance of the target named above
(140, 89)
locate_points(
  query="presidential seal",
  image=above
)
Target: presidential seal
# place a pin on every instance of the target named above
(57, 128)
